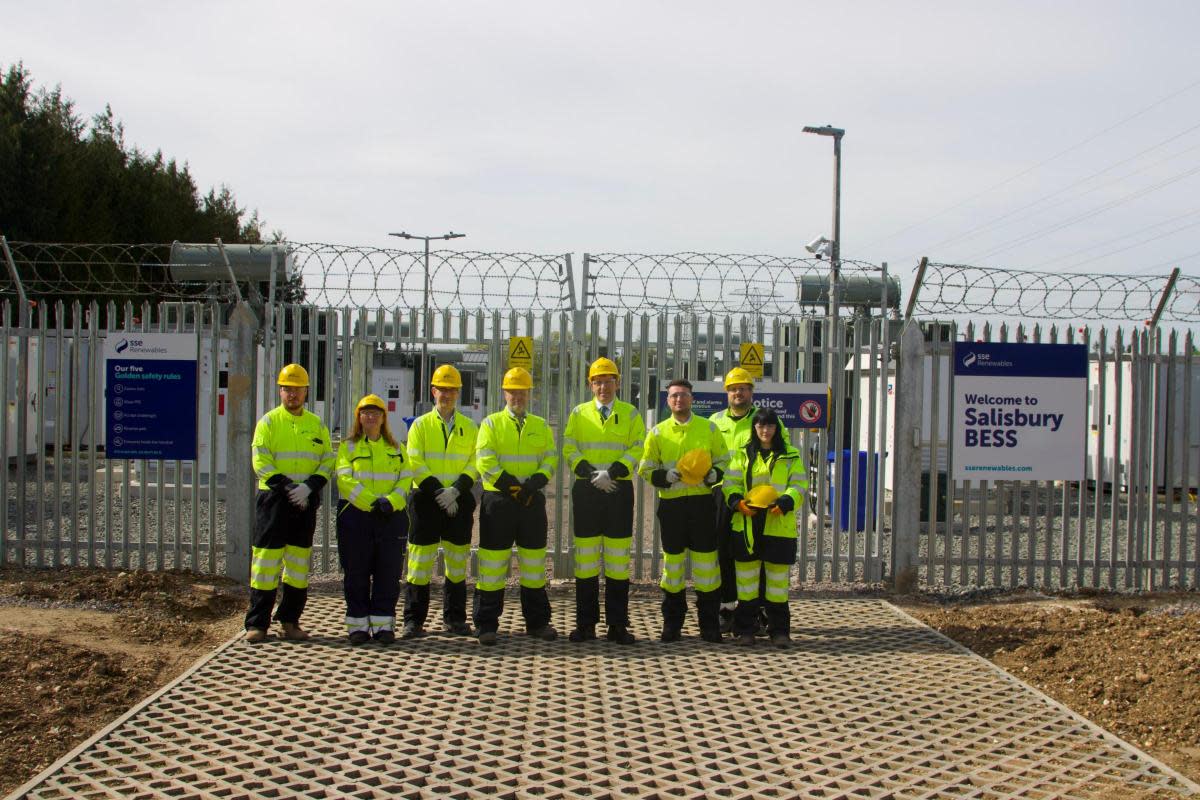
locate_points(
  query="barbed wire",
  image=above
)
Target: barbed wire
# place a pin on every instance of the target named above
(965, 289)
(331, 275)
(341, 275)
(712, 283)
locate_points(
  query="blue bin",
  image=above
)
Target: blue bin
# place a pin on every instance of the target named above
(862, 496)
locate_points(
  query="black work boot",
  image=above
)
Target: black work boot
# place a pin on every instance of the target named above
(583, 634)
(454, 608)
(416, 604)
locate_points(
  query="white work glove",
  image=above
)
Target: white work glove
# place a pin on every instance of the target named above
(447, 497)
(299, 496)
(711, 477)
(602, 481)
(673, 475)
(451, 509)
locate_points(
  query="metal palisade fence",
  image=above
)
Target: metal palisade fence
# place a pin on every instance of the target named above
(70, 504)
(881, 504)
(1132, 523)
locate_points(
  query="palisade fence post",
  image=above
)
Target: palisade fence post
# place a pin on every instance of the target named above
(906, 464)
(240, 481)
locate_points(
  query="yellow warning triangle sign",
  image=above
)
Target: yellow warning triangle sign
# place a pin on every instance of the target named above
(520, 349)
(752, 358)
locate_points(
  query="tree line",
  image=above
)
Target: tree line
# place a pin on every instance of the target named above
(65, 180)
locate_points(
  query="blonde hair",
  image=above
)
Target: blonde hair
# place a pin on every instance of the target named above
(384, 431)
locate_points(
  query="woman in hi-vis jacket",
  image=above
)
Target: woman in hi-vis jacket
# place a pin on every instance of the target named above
(764, 487)
(373, 479)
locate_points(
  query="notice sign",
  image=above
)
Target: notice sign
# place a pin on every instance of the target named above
(1020, 411)
(799, 405)
(150, 396)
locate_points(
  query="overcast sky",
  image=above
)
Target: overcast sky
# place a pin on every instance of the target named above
(973, 131)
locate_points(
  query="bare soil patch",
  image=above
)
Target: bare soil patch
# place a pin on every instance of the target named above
(1130, 664)
(79, 647)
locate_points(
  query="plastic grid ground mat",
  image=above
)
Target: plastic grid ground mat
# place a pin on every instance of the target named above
(869, 704)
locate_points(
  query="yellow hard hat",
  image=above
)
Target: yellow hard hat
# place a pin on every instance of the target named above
(446, 377)
(603, 366)
(762, 496)
(293, 375)
(694, 465)
(371, 401)
(517, 378)
(738, 375)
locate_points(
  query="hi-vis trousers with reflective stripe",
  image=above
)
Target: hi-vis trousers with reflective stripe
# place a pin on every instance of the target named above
(603, 525)
(755, 557)
(431, 527)
(688, 531)
(371, 553)
(502, 523)
(279, 553)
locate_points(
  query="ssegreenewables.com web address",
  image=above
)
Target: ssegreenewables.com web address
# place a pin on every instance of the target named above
(997, 468)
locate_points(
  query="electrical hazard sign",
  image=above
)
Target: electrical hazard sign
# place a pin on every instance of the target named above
(752, 358)
(520, 352)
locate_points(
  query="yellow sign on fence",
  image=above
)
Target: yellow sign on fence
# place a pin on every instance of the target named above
(752, 358)
(520, 352)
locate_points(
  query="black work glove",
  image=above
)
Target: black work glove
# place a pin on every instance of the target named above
(531, 488)
(785, 503)
(382, 506)
(316, 483)
(505, 483)
(280, 483)
(584, 469)
(659, 478)
(429, 486)
(463, 483)
(733, 501)
(618, 470)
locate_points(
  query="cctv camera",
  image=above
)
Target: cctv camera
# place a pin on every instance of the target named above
(818, 246)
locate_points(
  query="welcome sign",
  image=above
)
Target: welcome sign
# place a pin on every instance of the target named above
(1020, 411)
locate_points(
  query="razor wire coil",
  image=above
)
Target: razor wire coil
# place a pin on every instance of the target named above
(331, 275)
(965, 289)
(710, 282)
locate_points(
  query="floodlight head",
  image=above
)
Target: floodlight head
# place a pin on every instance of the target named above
(825, 130)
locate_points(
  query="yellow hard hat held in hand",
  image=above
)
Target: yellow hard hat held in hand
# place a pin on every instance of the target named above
(762, 496)
(694, 465)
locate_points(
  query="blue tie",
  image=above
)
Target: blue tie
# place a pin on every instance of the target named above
(603, 413)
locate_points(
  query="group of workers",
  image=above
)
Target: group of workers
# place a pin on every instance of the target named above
(728, 490)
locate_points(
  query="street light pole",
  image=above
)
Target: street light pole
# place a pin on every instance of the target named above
(835, 249)
(420, 387)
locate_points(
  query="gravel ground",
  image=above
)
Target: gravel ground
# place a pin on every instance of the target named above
(1023, 523)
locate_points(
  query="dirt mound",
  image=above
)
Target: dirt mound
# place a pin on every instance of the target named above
(79, 647)
(1129, 664)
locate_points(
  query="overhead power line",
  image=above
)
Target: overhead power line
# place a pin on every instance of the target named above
(1017, 242)
(1036, 166)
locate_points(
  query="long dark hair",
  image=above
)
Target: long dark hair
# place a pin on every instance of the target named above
(765, 416)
